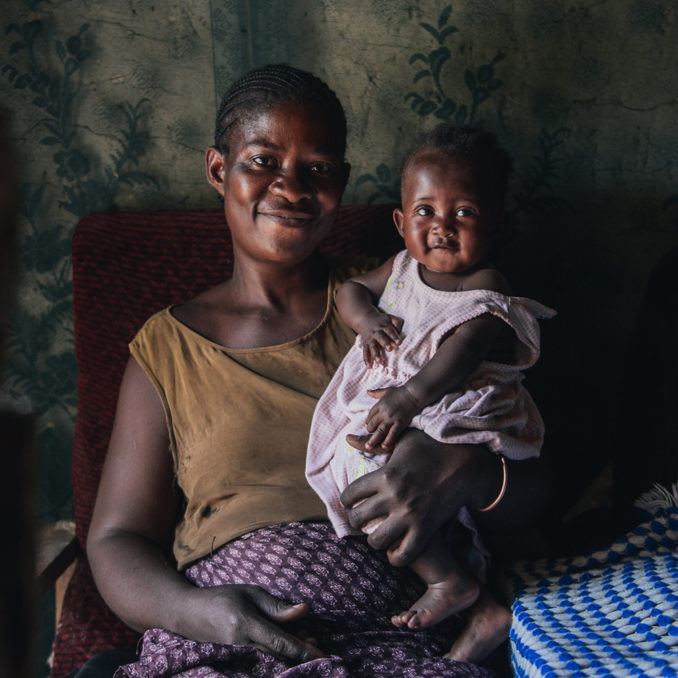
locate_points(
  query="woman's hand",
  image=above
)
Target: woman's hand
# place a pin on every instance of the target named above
(247, 615)
(380, 332)
(132, 525)
(422, 487)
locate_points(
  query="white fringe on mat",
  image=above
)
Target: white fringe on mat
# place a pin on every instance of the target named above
(659, 497)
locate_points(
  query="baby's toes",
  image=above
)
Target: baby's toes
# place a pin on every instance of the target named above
(402, 620)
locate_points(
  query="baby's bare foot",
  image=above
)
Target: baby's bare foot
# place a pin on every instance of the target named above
(487, 627)
(439, 601)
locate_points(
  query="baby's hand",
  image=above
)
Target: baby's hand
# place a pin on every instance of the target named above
(390, 416)
(379, 332)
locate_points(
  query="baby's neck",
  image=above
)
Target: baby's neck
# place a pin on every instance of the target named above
(451, 282)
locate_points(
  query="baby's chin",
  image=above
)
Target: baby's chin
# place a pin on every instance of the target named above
(446, 261)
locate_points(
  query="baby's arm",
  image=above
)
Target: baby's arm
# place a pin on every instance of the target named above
(356, 300)
(456, 358)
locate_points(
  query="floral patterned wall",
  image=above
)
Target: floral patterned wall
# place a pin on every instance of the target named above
(112, 105)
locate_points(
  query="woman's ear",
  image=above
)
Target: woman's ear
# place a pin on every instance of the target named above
(214, 169)
(346, 169)
(398, 218)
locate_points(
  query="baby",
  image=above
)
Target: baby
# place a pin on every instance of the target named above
(440, 344)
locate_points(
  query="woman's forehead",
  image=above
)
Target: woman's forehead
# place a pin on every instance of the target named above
(285, 124)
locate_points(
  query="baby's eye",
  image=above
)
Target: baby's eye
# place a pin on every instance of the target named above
(466, 212)
(265, 161)
(423, 211)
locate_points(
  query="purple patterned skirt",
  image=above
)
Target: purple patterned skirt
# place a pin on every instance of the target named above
(352, 591)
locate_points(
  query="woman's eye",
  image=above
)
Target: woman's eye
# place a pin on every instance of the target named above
(324, 168)
(466, 212)
(423, 211)
(264, 161)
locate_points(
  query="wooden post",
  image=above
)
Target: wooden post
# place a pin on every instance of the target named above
(17, 518)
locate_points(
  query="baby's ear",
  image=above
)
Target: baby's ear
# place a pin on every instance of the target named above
(499, 225)
(398, 218)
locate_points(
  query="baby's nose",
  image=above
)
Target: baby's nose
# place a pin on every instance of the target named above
(447, 225)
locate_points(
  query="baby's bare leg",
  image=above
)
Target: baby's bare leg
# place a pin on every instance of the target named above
(449, 588)
(487, 627)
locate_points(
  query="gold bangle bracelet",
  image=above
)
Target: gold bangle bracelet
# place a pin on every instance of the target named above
(502, 489)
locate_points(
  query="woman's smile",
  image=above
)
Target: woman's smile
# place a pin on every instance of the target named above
(282, 179)
(292, 218)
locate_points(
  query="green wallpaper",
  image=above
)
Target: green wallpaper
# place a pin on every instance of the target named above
(112, 105)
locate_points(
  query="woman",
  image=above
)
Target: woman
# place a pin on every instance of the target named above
(211, 426)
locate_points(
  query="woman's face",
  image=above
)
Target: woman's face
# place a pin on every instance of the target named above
(282, 181)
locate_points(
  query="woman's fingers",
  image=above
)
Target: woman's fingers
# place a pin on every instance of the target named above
(408, 548)
(274, 608)
(388, 533)
(270, 638)
(362, 487)
(365, 511)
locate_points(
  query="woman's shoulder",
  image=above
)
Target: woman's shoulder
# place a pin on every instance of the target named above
(158, 326)
(349, 266)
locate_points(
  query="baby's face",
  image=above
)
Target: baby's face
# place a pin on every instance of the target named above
(446, 220)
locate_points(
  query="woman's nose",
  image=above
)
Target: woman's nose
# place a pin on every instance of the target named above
(292, 185)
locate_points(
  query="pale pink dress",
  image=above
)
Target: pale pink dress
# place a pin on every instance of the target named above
(490, 407)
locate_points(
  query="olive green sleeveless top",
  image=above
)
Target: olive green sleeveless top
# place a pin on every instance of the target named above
(238, 422)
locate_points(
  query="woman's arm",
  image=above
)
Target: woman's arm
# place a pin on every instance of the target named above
(131, 532)
(426, 482)
(356, 301)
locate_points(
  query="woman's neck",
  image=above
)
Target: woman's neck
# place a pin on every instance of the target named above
(275, 286)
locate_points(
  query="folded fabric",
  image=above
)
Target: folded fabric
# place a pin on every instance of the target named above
(612, 612)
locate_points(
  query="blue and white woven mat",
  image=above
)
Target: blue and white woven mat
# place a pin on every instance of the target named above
(610, 613)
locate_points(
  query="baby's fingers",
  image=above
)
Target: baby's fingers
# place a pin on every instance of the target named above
(377, 352)
(397, 323)
(377, 438)
(367, 354)
(390, 438)
(391, 336)
(384, 340)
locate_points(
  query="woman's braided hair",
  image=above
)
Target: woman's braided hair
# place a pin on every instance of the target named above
(273, 84)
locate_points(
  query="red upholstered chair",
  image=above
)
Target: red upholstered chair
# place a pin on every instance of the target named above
(126, 266)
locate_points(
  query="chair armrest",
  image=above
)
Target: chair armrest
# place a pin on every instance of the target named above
(58, 547)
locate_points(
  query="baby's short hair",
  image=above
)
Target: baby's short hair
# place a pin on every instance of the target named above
(273, 84)
(478, 145)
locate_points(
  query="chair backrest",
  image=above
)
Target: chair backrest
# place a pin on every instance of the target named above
(126, 266)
